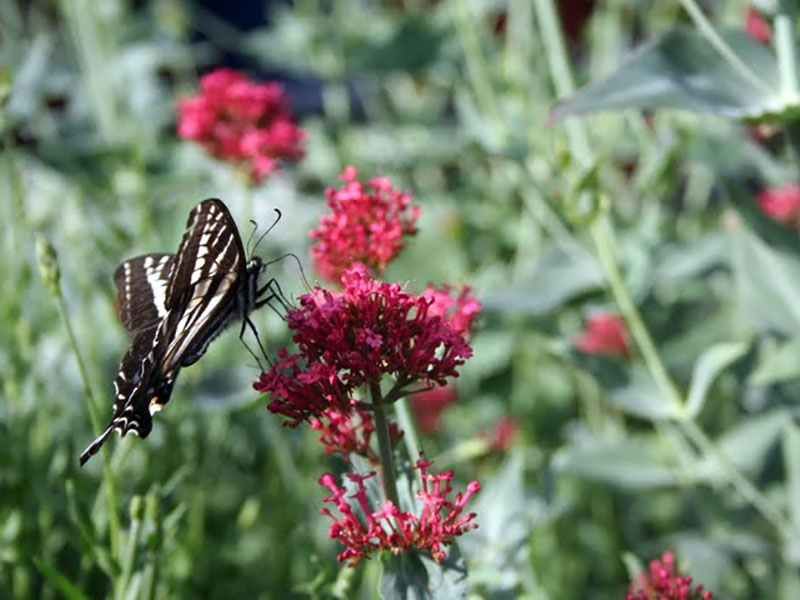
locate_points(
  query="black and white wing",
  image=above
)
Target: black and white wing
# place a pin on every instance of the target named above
(142, 290)
(208, 274)
(139, 391)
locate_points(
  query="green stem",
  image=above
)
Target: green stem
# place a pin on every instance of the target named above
(721, 46)
(408, 424)
(785, 50)
(384, 445)
(601, 234)
(111, 492)
(740, 483)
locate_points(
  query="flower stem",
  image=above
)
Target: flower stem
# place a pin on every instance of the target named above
(384, 445)
(111, 491)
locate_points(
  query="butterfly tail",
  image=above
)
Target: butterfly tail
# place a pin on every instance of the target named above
(95, 446)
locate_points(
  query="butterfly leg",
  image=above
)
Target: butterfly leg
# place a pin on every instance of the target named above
(245, 322)
(275, 293)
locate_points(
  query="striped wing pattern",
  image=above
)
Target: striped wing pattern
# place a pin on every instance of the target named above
(175, 305)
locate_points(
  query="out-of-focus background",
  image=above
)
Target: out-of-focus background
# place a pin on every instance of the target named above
(451, 100)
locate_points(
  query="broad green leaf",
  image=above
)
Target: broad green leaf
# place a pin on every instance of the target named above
(710, 364)
(632, 464)
(747, 445)
(557, 278)
(416, 576)
(641, 398)
(777, 364)
(682, 70)
(65, 587)
(767, 282)
(690, 259)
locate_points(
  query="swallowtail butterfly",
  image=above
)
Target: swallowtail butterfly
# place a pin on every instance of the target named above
(175, 304)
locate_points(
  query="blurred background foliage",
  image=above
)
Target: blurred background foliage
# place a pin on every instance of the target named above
(452, 100)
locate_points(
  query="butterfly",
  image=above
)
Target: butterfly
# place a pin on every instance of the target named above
(175, 305)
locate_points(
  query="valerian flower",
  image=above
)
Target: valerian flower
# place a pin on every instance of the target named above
(367, 224)
(782, 203)
(353, 339)
(241, 121)
(365, 530)
(460, 309)
(605, 335)
(428, 406)
(662, 582)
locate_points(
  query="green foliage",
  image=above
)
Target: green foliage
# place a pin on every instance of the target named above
(690, 443)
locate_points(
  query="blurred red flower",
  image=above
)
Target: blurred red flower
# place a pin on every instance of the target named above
(503, 433)
(661, 582)
(242, 121)
(605, 335)
(354, 338)
(757, 26)
(366, 224)
(390, 528)
(781, 203)
(428, 406)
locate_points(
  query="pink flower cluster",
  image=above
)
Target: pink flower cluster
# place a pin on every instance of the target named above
(390, 528)
(352, 339)
(241, 121)
(366, 225)
(459, 309)
(605, 335)
(662, 582)
(782, 203)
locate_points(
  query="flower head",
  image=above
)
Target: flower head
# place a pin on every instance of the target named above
(353, 339)
(757, 27)
(460, 309)
(366, 224)
(662, 582)
(502, 434)
(605, 335)
(365, 531)
(782, 203)
(245, 122)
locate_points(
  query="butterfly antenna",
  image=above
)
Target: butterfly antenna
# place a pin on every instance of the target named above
(299, 266)
(271, 227)
(250, 237)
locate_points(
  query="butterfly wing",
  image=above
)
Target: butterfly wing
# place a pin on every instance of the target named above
(139, 390)
(208, 276)
(142, 290)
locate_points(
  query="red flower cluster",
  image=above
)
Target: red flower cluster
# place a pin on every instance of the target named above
(366, 225)
(245, 122)
(605, 335)
(757, 27)
(460, 310)
(503, 433)
(354, 338)
(350, 432)
(393, 529)
(661, 582)
(782, 203)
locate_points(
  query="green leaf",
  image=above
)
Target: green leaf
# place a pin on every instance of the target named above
(415, 576)
(777, 365)
(641, 398)
(65, 587)
(748, 444)
(632, 464)
(710, 364)
(680, 69)
(557, 278)
(767, 283)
